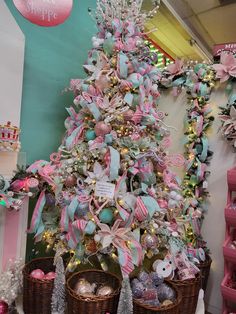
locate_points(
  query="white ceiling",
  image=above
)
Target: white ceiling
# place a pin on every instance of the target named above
(211, 21)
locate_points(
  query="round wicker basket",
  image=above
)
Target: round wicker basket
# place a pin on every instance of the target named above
(205, 271)
(37, 293)
(78, 304)
(190, 290)
(140, 308)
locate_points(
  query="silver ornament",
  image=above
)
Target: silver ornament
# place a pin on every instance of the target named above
(84, 287)
(105, 291)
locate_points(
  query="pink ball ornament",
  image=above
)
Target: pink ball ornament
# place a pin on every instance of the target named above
(50, 276)
(101, 128)
(149, 240)
(70, 181)
(128, 115)
(3, 307)
(37, 274)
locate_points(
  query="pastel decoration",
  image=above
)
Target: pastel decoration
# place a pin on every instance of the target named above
(45, 13)
(90, 227)
(106, 215)
(50, 276)
(37, 274)
(90, 135)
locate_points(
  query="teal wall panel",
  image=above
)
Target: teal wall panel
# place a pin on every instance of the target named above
(53, 55)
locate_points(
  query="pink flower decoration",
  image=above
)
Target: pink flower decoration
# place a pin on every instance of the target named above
(226, 67)
(175, 68)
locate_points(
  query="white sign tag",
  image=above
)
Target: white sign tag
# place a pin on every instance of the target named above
(105, 189)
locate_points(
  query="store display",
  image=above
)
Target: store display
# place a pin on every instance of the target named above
(150, 291)
(93, 291)
(109, 190)
(9, 138)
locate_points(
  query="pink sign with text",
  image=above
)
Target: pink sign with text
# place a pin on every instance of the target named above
(217, 49)
(45, 12)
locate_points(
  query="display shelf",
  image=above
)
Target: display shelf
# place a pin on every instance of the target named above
(227, 292)
(230, 216)
(228, 251)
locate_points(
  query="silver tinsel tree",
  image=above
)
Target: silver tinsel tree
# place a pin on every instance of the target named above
(125, 305)
(58, 296)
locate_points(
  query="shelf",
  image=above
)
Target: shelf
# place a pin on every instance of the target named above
(227, 292)
(230, 216)
(229, 253)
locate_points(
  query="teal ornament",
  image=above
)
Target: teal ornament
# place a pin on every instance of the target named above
(90, 227)
(148, 120)
(90, 135)
(106, 215)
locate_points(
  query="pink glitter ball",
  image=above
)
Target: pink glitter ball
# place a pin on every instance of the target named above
(37, 274)
(101, 128)
(51, 275)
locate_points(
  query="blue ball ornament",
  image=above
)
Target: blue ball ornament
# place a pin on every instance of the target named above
(106, 215)
(90, 135)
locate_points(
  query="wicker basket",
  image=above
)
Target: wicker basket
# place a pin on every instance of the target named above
(205, 271)
(190, 290)
(77, 304)
(140, 308)
(37, 293)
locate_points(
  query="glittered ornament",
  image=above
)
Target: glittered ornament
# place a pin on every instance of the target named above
(105, 291)
(167, 303)
(3, 307)
(143, 276)
(101, 128)
(156, 279)
(37, 274)
(90, 135)
(91, 246)
(84, 287)
(165, 292)
(128, 115)
(70, 181)
(32, 183)
(106, 215)
(50, 276)
(149, 240)
(137, 289)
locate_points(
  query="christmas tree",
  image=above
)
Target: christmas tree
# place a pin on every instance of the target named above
(109, 190)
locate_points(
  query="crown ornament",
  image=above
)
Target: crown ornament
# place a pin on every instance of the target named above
(9, 137)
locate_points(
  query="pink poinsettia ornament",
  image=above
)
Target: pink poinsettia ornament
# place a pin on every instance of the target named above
(175, 68)
(226, 67)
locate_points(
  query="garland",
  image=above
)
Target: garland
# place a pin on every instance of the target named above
(113, 151)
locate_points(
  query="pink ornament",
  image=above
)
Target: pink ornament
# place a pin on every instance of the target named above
(128, 115)
(3, 307)
(149, 241)
(162, 203)
(37, 274)
(50, 276)
(70, 181)
(101, 128)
